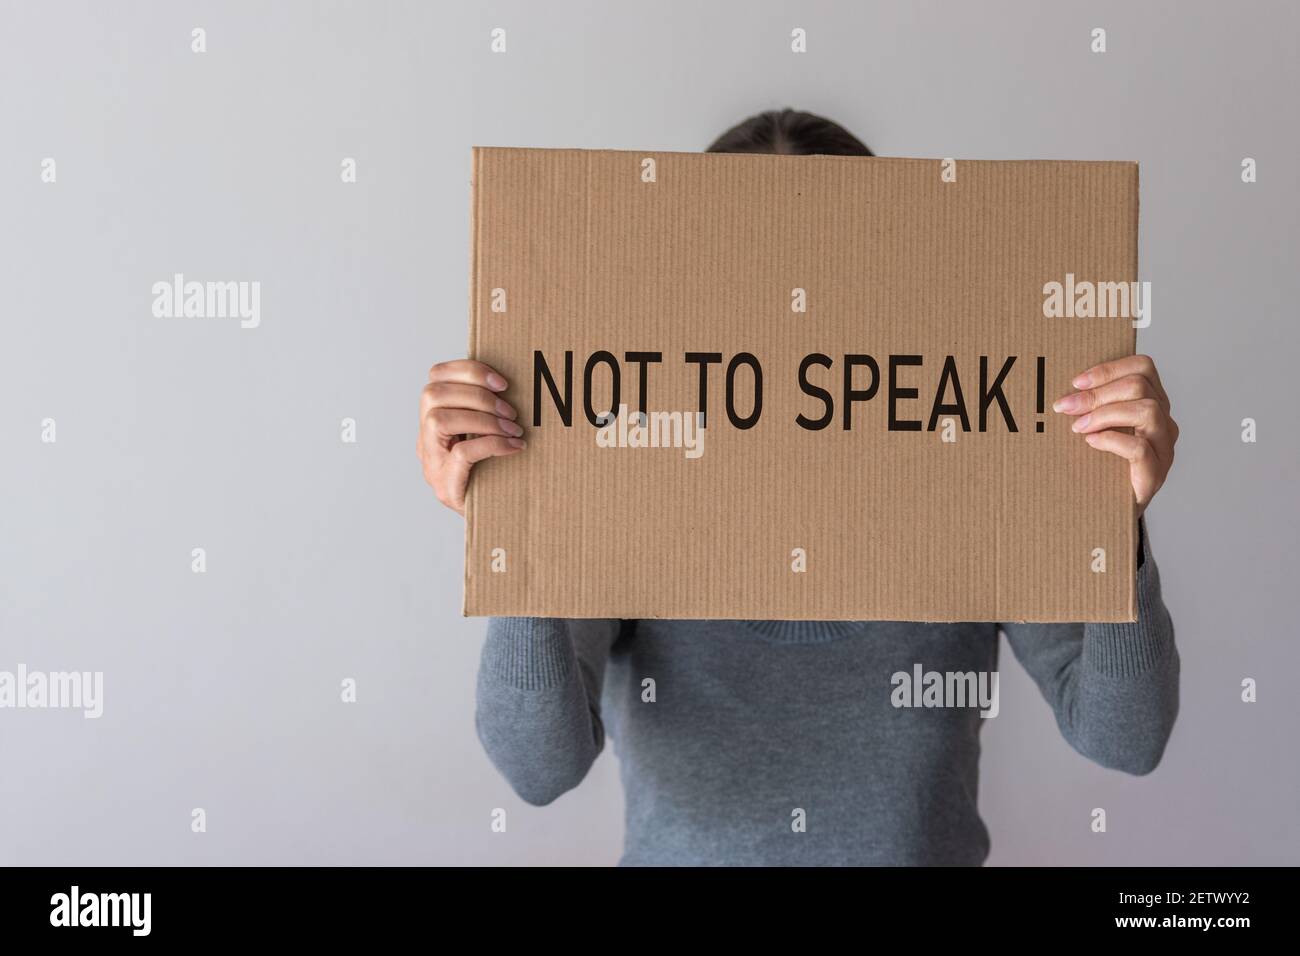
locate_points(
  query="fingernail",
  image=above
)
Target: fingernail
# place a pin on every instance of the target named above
(1091, 438)
(504, 409)
(517, 442)
(509, 427)
(1068, 403)
(1080, 423)
(495, 382)
(1082, 381)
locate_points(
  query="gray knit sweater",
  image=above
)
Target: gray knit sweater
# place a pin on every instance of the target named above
(790, 742)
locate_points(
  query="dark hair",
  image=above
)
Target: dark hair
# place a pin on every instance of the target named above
(790, 131)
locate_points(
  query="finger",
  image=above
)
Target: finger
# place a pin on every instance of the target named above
(1146, 474)
(1108, 372)
(453, 395)
(1127, 389)
(452, 478)
(1144, 414)
(1132, 448)
(449, 423)
(473, 450)
(468, 372)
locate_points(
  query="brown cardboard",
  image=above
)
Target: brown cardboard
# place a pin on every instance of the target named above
(894, 525)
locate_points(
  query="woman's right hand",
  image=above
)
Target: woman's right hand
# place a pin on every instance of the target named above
(463, 420)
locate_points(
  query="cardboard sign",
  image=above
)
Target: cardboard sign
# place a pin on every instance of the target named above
(813, 387)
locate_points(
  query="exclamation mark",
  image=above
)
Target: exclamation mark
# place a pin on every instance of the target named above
(1041, 362)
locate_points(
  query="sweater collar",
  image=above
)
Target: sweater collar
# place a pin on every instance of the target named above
(805, 632)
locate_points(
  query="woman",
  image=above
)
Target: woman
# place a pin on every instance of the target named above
(777, 742)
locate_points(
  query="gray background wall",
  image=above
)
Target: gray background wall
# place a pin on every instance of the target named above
(329, 560)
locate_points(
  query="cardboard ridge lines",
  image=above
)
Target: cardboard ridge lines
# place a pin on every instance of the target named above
(799, 387)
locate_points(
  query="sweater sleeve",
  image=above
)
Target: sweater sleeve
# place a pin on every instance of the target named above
(1113, 687)
(538, 701)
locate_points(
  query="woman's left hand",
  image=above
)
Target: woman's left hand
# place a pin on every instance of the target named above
(1126, 393)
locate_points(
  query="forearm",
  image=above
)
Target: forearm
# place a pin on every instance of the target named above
(1112, 687)
(537, 707)
(1125, 698)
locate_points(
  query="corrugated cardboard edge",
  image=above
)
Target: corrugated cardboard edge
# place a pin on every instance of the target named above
(475, 261)
(476, 155)
(1133, 525)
